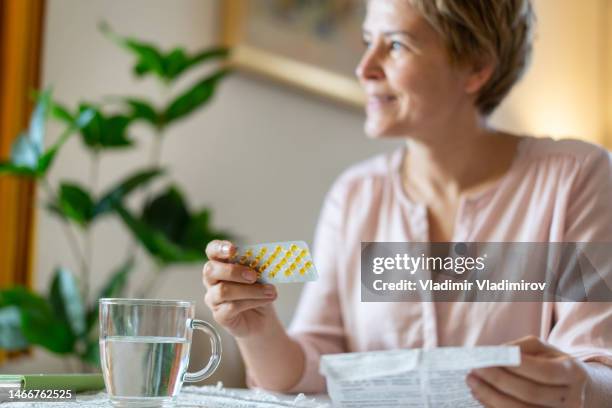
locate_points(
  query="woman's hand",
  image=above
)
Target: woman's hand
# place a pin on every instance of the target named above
(546, 377)
(237, 302)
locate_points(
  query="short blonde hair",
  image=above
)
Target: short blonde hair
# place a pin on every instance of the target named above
(500, 31)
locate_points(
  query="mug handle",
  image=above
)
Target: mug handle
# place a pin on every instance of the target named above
(215, 346)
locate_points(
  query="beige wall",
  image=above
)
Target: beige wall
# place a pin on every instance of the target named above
(264, 137)
(562, 93)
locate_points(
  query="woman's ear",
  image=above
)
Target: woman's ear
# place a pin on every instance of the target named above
(480, 75)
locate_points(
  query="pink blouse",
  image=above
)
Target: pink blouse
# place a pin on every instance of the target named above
(555, 191)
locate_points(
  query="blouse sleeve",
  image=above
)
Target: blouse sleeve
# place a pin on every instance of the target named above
(317, 324)
(584, 329)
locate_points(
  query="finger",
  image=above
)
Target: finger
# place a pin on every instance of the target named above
(533, 345)
(227, 292)
(491, 397)
(551, 371)
(216, 271)
(226, 313)
(220, 250)
(523, 389)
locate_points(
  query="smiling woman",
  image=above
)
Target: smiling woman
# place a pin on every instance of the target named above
(433, 73)
(20, 39)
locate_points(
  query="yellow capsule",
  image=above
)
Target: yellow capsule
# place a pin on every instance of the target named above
(261, 253)
(282, 262)
(254, 263)
(303, 253)
(293, 247)
(307, 264)
(272, 274)
(264, 266)
(277, 249)
(302, 271)
(288, 272)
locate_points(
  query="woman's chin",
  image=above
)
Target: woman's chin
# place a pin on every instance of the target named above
(377, 130)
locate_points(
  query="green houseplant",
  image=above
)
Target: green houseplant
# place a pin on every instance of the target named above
(64, 320)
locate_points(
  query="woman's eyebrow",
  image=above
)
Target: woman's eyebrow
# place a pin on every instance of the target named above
(389, 33)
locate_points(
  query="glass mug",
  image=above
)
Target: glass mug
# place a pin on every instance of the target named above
(144, 350)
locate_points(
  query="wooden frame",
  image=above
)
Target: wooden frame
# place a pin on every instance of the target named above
(262, 62)
(607, 72)
(21, 28)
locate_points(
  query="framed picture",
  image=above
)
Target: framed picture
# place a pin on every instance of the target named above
(314, 45)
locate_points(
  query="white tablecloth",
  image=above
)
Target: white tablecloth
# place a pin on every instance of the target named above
(192, 397)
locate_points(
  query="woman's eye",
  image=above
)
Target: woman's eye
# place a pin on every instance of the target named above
(397, 46)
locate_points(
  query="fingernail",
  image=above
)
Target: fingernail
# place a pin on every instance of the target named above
(269, 291)
(471, 381)
(249, 275)
(225, 248)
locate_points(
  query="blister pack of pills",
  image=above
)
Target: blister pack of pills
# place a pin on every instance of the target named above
(278, 262)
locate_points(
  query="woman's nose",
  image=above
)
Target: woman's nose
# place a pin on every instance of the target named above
(369, 68)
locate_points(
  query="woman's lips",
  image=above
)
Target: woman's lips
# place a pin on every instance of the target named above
(380, 101)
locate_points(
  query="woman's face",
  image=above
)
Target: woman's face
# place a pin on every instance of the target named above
(411, 87)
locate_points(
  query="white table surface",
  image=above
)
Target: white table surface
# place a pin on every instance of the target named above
(192, 397)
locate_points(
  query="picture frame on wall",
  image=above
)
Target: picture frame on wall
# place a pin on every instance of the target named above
(312, 45)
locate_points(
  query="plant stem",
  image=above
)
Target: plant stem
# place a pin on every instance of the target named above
(88, 238)
(70, 235)
(156, 149)
(155, 162)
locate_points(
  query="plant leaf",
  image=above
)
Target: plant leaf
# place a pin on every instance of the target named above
(92, 353)
(48, 332)
(27, 155)
(10, 168)
(118, 192)
(169, 232)
(155, 242)
(74, 203)
(61, 113)
(199, 231)
(82, 120)
(142, 110)
(195, 97)
(11, 337)
(65, 298)
(177, 62)
(149, 59)
(168, 214)
(38, 322)
(24, 152)
(36, 131)
(104, 131)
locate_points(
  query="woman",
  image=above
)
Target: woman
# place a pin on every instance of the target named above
(433, 71)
